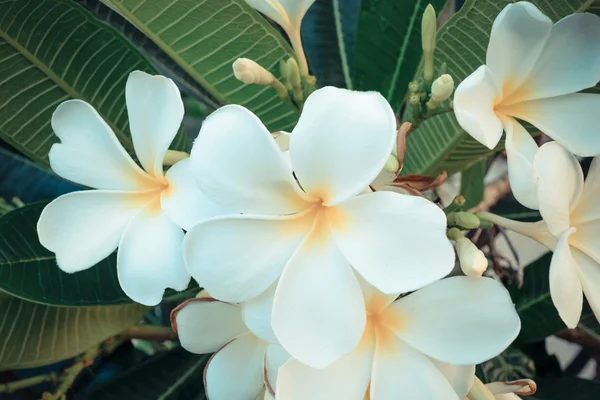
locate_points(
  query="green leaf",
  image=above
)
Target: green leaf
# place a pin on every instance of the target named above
(35, 334)
(566, 388)
(176, 374)
(52, 51)
(471, 184)
(205, 37)
(509, 207)
(388, 46)
(440, 144)
(511, 365)
(328, 33)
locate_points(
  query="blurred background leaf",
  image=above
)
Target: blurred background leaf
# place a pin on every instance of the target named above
(471, 184)
(512, 364)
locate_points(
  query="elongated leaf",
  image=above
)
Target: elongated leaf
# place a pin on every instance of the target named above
(205, 37)
(512, 364)
(328, 33)
(440, 144)
(176, 374)
(471, 184)
(52, 51)
(388, 46)
(35, 334)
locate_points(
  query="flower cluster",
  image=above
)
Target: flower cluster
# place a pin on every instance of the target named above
(325, 277)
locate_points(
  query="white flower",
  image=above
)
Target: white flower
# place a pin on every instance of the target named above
(533, 71)
(442, 88)
(240, 337)
(137, 210)
(407, 342)
(287, 13)
(311, 231)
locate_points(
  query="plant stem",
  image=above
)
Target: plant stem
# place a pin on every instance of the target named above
(296, 41)
(535, 230)
(11, 387)
(151, 333)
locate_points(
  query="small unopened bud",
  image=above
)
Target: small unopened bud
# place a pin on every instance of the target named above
(428, 36)
(467, 220)
(414, 99)
(472, 260)
(442, 88)
(413, 87)
(250, 72)
(293, 73)
(392, 164)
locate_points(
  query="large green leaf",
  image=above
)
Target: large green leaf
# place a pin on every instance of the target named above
(205, 37)
(52, 51)
(35, 334)
(440, 144)
(471, 184)
(388, 46)
(176, 374)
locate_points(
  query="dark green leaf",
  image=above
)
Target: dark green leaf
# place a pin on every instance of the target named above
(36, 334)
(205, 37)
(566, 388)
(173, 375)
(512, 364)
(471, 184)
(509, 207)
(52, 51)
(388, 46)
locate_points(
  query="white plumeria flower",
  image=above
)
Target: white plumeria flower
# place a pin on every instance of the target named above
(312, 230)
(533, 71)
(141, 211)
(407, 343)
(244, 346)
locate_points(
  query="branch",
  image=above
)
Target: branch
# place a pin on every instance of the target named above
(492, 194)
(151, 333)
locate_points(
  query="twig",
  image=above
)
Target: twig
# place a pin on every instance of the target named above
(72, 372)
(151, 333)
(11, 387)
(492, 194)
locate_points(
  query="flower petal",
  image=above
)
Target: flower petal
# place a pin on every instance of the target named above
(588, 208)
(149, 258)
(83, 228)
(518, 35)
(565, 288)
(236, 371)
(569, 62)
(341, 142)
(460, 376)
(520, 151)
(155, 113)
(458, 320)
(401, 372)
(474, 101)
(560, 183)
(566, 119)
(387, 237)
(284, 12)
(183, 201)
(589, 276)
(275, 357)
(347, 378)
(204, 325)
(89, 152)
(316, 295)
(257, 315)
(236, 258)
(587, 237)
(238, 165)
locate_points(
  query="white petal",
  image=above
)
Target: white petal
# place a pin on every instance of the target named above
(460, 376)
(341, 142)
(459, 320)
(155, 113)
(204, 325)
(316, 296)
(566, 119)
(587, 238)
(401, 372)
(588, 208)
(89, 152)
(520, 151)
(348, 378)
(236, 371)
(149, 259)
(257, 315)
(183, 201)
(560, 183)
(275, 357)
(83, 228)
(237, 258)
(589, 276)
(387, 237)
(284, 12)
(474, 101)
(507, 396)
(375, 300)
(238, 165)
(518, 35)
(565, 289)
(570, 60)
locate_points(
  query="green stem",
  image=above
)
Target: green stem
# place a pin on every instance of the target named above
(296, 41)
(535, 230)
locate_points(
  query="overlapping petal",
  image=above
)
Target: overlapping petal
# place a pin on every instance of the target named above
(341, 142)
(565, 288)
(388, 237)
(155, 112)
(83, 228)
(89, 152)
(588, 207)
(275, 357)
(589, 276)
(238, 165)
(257, 313)
(460, 376)
(149, 259)
(284, 12)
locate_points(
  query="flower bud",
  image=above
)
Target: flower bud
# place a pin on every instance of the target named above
(293, 73)
(413, 87)
(472, 260)
(442, 88)
(250, 72)
(392, 164)
(467, 220)
(428, 36)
